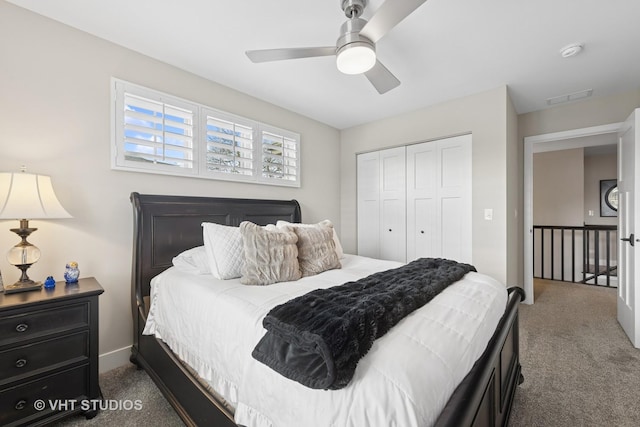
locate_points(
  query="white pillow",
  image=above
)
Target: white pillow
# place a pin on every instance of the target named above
(336, 240)
(192, 261)
(225, 253)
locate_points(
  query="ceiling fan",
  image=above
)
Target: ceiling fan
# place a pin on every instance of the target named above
(355, 49)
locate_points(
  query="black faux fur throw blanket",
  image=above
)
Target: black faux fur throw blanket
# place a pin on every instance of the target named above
(318, 338)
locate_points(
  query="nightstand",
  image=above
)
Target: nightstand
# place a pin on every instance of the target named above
(49, 353)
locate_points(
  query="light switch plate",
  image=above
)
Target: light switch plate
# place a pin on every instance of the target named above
(488, 214)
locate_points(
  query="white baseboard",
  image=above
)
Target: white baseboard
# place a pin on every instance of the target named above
(113, 359)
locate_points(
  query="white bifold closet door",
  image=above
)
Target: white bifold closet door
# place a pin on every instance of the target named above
(439, 199)
(415, 201)
(382, 204)
(368, 204)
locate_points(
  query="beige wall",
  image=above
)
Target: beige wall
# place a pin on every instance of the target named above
(558, 187)
(592, 112)
(596, 168)
(558, 199)
(55, 118)
(485, 115)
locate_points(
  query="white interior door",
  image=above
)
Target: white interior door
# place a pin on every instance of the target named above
(628, 246)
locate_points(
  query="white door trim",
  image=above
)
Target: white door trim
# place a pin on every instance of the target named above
(564, 140)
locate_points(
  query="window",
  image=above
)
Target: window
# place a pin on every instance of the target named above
(157, 133)
(279, 154)
(229, 145)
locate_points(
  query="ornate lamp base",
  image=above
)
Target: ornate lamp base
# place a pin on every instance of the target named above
(21, 286)
(23, 255)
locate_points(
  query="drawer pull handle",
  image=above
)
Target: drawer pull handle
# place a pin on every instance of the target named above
(22, 327)
(21, 363)
(21, 404)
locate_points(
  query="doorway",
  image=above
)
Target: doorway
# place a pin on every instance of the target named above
(576, 138)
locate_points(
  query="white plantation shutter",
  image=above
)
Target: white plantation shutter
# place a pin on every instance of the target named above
(229, 144)
(158, 133)
(279, 154)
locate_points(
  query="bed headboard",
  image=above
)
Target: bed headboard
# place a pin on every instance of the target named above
(164, 226)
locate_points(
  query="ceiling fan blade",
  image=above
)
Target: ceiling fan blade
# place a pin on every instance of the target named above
(388, 16)
(381, 78)
(267, 55)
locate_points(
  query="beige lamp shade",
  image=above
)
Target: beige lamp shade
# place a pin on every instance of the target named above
(25, 196)
(28, 196)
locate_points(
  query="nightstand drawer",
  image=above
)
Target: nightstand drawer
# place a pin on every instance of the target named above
(42, 355)
(17, 403)
(33, 323)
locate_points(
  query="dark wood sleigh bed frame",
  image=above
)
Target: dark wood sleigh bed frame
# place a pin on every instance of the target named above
(167, 225)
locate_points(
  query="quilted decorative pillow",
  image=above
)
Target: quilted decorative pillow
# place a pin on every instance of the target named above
(225, 252)
(270, 254)
(336, 240)
(316, 249)
(194, 261)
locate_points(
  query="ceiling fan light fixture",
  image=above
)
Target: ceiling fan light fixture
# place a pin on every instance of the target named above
(356, 58)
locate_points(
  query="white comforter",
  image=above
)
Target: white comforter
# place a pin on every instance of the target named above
(405, 380)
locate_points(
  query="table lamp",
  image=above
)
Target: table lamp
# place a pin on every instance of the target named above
(25, 196)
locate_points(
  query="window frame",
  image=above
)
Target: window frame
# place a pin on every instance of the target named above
(120, 88)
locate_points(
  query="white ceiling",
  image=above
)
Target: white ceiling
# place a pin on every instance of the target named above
(446, 49)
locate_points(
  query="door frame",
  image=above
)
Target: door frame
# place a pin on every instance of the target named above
(555, 141)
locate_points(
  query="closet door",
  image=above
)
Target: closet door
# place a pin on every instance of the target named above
(381, 204)
(439, 199)
(393, 236)
(368, 204)
(423, 237)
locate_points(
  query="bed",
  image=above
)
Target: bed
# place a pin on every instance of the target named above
(164, 226)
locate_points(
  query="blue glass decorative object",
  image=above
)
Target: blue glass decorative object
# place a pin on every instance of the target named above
(49, 283)
(71, 272)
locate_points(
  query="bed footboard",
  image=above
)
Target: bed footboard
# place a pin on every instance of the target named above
(485, 396)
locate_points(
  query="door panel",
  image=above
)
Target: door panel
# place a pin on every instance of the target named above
(453, 246)
(368, 204)
(628, 212)
(454, 194)
(423, 239)
(368, 229)
(422, 174)
(393, 234)
(382, 204)
(452, 166)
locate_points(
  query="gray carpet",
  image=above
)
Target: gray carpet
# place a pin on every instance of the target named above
(580, 369)
(129, 384)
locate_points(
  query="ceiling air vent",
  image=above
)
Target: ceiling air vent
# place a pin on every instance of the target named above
(569, 97)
